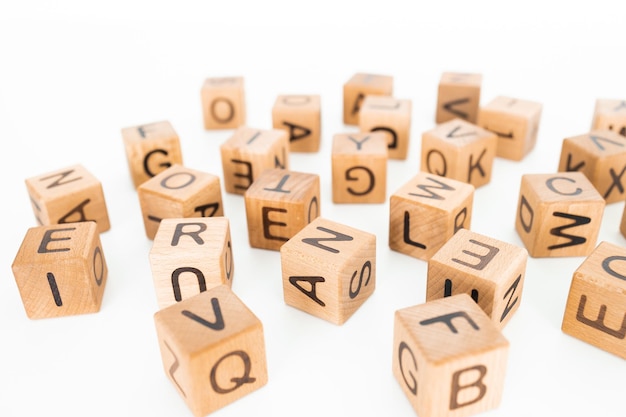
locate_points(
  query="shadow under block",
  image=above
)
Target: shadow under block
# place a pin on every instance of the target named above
(359, 168)
(179, 192)
(449, 358)
(459, 150)
(213, 349)
(490, 271)
(558, 214)
(426, 211)
(329, 269)
(359, 86)
(301, 117)
(458, 96)
(390, 116)
(516, 122)
(249, 152)
(596, 305)
(150, 149)
(189, 256)
(610, 114)
(60, 270)
(223, 103)
(68, 195)
(279, 204)
(601, 156)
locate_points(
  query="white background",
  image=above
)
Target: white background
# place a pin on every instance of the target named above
(72, 74)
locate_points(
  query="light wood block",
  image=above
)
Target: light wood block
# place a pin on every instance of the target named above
(609, 114)
(390, 116)
(68, 195)
(329, 269)
(212, 348)
(426, 211)
(359, 86)
(279, 204)
(301, 117)
(249, 152)
(458, 97)
(558, 214)
(60, 270)
(515, 121)
(179, 192)
(359, 168)
(459, 150)
(489, 270)
(189, 256)
(622, 225)
(449, 358)
(150, 149)
(223, 103)
(596, 305)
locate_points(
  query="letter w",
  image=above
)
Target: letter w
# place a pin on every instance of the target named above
(431, 194)
(558, 231)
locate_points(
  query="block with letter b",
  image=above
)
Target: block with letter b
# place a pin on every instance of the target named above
(458, 96)
(359, 86)
(329, 269)
(390, 116)
(610, 114)
(301, 117)
(213, 349)
(449, 358)
(60, 270)
(223, 103)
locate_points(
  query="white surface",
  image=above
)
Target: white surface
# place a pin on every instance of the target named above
(72, 75)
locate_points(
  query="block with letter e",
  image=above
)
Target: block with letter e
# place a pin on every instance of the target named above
(223, 103)
(301, 117)
(392, 117)
(609, 114)
(458, 96)
(359, 86)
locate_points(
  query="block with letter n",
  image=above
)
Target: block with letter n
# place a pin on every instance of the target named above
(357, 88)
(458, 96)
(299, 116)
(609, 114)
(223, 103)
(390, 116)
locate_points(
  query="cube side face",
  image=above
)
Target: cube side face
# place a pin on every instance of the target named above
(390, 116)
(300, 117)
(458, 96)
(610, 114)
(223, 103)
(359, 86)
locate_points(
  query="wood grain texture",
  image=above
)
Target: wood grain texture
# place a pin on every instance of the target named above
(359, 86)
(223, 103)
(458, 96)
(301, 117)
(391, 116)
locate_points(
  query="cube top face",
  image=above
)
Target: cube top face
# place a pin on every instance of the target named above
(599, 143)
(270, 185)
(515, 107)
(458, 78)
(179, 183)
(433, 190)
(156, 131)
(251, 141)
(563, 187)
(61, 182)
(605, 268)
(385, 105)
(295, 104)
(382, 82)
(223, 82)
(360, 144)
(458, 133)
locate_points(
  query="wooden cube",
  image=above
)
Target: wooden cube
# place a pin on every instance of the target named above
(189, 256)
(68, 195)
(392, 117)
(223, 103)
(359, 168)
(601, 156)
(596, 305)
(426, 211)
(329, 269)
(622, 225)
(459, 150)
(558, 214)
(301, 117)
(279, 204)
(458, 96)
(60, 270)
(249, 152)
(516, 122)
(359, 86)
(489, 270)
(179, 192)
(212, 348)
(610, 114)
(150, 149)
(449, 358)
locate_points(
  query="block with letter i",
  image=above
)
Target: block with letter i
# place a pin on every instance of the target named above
(458, 96)
(329, 269)
(390, 116)
(223, 103)
(610, 114)
(213, 349)
(301, 117)
(60, 270)
(359, 86)
(449, 358)
(596, 305)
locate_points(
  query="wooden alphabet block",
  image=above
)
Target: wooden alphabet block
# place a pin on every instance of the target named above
(329, 269)
(489, 270)
(223, 103)
(392, 117)
(189, 256)
(426, 211)
(279, 204)
(68, 195)
(212, 348)
(359, 86)
(622, 225)
(301, 117)
(249, 152)
(458, 96)
(359, 168)
(610, 114)
(516, 122)
(150, 149)
(558, 214)
(60, 270)
(179, 192)
(595, 311)
(449, 358)
(459, 150)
